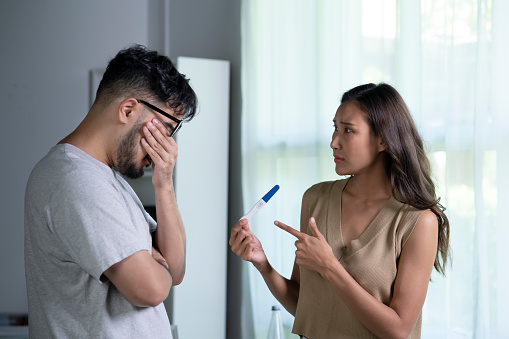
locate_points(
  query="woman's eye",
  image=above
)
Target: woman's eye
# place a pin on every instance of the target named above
(335, 128)
(348, 130)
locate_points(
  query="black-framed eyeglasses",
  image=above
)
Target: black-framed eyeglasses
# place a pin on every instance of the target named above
(160, 111)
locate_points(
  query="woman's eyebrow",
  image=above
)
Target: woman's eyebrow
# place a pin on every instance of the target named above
(346, 123)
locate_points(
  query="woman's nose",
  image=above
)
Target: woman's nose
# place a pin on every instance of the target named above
(335, 142)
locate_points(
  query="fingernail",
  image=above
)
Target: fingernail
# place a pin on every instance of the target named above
(276, 222)
(156, 121)
(312, 219)
(150, 125)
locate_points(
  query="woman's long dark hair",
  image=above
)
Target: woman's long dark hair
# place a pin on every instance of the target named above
(406, 162)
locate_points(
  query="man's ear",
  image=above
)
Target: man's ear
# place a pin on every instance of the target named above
(128, 108)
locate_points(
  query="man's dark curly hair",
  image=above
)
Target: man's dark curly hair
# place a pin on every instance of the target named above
(143, 74)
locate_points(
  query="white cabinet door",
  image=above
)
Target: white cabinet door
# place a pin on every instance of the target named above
(201, 186)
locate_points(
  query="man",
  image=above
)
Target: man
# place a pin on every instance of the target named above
(97, 265)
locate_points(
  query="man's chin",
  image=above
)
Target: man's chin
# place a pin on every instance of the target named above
(136, 175)
(132, 173)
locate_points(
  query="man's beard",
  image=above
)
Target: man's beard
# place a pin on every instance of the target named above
(126, 152)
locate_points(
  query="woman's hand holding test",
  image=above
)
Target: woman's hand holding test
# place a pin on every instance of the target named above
(246, 245)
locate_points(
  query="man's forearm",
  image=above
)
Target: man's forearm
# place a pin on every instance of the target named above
(170, 235)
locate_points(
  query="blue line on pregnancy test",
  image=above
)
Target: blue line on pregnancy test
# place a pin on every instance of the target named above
(265, 199)
(270, 193)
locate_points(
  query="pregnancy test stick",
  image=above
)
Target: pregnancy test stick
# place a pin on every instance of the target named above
(261, 203)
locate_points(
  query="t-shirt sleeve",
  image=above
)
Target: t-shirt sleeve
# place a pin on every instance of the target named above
(91, 221)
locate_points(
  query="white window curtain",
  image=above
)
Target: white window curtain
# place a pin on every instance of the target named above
(448, 59)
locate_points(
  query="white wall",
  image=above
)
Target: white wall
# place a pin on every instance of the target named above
(46, 51)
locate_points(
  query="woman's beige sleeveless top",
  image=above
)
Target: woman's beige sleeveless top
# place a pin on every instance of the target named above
(371, 259)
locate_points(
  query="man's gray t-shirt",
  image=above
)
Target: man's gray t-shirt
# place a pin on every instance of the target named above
(81, 218)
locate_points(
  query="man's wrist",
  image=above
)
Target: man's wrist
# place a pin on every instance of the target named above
(165, 189)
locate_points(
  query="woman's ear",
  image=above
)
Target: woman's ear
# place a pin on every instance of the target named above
(128, 108)
(381, 145)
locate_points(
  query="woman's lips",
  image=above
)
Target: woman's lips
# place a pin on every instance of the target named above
(338, 160)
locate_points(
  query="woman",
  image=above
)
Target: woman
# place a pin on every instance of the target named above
(367, 244)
